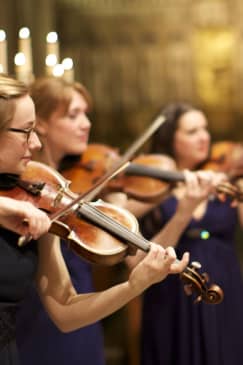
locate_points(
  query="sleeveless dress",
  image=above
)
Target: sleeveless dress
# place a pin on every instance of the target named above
(17, 271)
(41, 343)
(175, 331)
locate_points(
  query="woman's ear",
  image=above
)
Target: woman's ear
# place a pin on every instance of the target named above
(41, 127)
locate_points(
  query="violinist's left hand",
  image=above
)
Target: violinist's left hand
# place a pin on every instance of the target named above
(156, 266)
(212, 178)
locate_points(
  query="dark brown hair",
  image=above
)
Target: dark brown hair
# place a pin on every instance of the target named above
(162, 141)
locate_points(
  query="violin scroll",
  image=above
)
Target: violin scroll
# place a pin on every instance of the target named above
(195, 282)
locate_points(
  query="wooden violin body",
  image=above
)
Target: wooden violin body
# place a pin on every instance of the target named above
(94, 162)
(148, 178)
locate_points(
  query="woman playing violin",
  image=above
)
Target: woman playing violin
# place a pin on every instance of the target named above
(175, 331)
(63, 127)
(43, 260)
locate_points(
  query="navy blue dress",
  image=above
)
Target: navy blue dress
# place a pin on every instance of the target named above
(38, 339)
(17, 271)
(175, 331)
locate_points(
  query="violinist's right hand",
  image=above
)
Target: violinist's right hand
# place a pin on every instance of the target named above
(23, 218)
(155, 267)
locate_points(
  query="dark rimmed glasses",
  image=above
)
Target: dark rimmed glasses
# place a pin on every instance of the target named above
(27, 132)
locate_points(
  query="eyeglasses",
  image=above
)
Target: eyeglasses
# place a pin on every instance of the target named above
(27, 132)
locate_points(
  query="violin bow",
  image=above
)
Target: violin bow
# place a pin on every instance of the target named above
(95, 189)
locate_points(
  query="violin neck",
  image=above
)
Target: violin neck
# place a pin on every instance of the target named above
(164, 175)
(94, 215)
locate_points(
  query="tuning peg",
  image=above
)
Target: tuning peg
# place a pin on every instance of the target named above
(196, 265)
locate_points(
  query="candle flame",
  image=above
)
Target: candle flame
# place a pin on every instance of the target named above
(58, 70)
(67, 63)
(2, 35)
(24, 33)
(52, 37)
(51, 60)
(19, 59)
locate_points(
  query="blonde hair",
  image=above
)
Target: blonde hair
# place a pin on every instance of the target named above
(50, 93)
(10, 90)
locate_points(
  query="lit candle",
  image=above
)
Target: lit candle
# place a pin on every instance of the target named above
(58, 70)
(24, 44)
(3, 52)
(52, 45)
(51, 61)
(20, 67)
(68, 69)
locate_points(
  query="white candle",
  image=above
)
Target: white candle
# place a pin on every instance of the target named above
(52, 45)
(20, 67)
(68, 69)
(25, 47)
(3, 52)
(51, 61)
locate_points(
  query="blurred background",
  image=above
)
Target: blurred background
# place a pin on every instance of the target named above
(135, 56)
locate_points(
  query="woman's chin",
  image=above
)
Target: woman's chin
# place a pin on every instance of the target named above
(22, 166)
(78, 151)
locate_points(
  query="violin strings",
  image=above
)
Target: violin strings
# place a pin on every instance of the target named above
(115, 227)
(106, 222)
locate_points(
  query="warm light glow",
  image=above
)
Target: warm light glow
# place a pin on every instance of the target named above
(19, 59)
(2, 35)
(3, 52)
(58, 70)
(24, 33)
(51, 60)
(67, 63)
(52, 37)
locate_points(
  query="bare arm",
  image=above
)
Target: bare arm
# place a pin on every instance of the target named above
(70, 311)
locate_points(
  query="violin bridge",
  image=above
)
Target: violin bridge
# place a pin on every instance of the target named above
(58, 197)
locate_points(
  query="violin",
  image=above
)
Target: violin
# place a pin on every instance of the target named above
(148, 178)
(97, 231)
